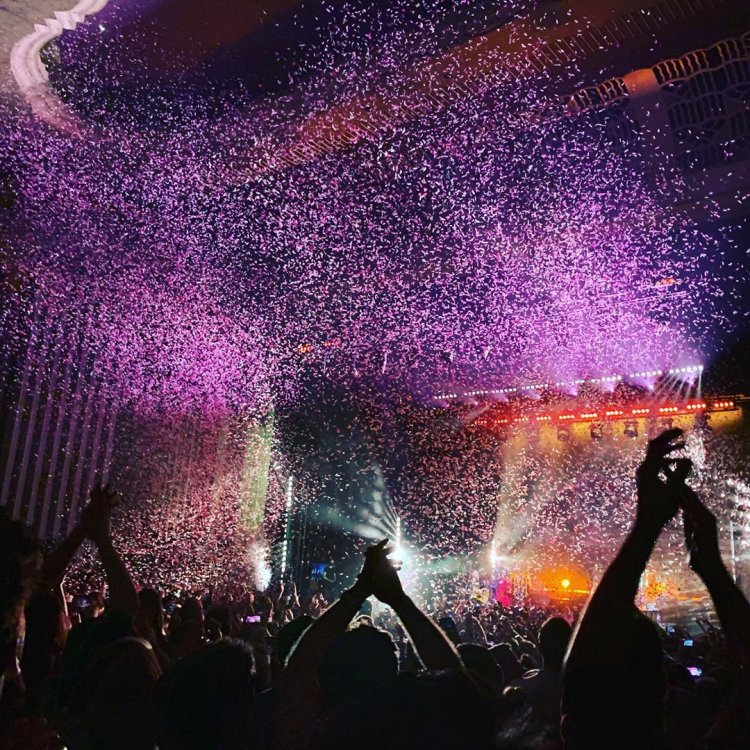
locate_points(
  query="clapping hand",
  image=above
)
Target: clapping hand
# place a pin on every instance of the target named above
(659, 479)
(701, 533)
(97, 516)
(381, 574)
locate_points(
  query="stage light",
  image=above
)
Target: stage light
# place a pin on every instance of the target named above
(596, 431)
(646, 374)
(666, 281)
(685, 370)
(533, 387)
(631, 429)
(723, 405)
(589, 415)
(285, 544)
(399, 553)
(565, 583)
(563, 434)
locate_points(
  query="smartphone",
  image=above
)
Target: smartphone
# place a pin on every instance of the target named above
(252, 618)
(695, 671)
(670, 629)
(687, 642)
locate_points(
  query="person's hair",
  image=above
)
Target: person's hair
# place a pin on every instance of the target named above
(152, 608)
(221, 616)
(626, 692)
(519, 729)
(479, 660)
(554, 637)
(359, 663)
(191, 609)
(45, 639)
(212, 629)
(204, 701)
(435, 711)
(503, 654)
(516, 699)
(645, 657)
(288, 636)
(19, 567)
(115, 693)
(448, 626)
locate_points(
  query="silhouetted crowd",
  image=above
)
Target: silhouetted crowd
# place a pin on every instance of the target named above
(242, 669)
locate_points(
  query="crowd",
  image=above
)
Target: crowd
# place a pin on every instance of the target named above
(238, 669)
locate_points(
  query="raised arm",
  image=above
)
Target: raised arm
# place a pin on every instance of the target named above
(309, 652)
(657, 505)
(613, 680)
(57, 561)
(294, 602)
(702, 540)
(123, 595)
(612, 604)
(299, 702)
(430, 643)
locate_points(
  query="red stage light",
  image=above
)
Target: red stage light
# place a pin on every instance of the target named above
(723, 405)
(613, 413)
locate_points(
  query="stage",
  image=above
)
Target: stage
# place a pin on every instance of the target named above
(521, 499)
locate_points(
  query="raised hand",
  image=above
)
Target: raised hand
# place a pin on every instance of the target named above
(383, 573)
(731, 605)
(372, 554)
(97, 516)
(658, 479)
(701, 533)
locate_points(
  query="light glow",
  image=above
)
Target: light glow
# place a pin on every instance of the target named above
(577, 381)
